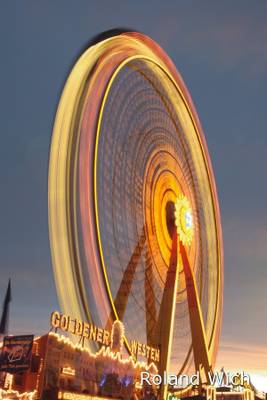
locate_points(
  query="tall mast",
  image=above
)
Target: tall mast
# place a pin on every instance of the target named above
(5, 312)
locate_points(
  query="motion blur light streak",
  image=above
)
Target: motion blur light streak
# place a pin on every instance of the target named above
(127, 143)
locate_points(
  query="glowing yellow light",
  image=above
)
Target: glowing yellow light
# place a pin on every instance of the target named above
(78, 396)
(68, 371)
(14, 394)
(184, 220)
(108, 353)
(8, 381)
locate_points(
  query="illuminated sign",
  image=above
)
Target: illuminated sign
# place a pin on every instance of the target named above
(15, 395)
(68, 371)
(91, 332)
(144, 350)
(80, 328)
(16, 353)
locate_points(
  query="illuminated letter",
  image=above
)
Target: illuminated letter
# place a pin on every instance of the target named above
(106, 337)
(157, 355)
(92, 335)
(143, 350)
(134, 347)
(86, 328)
(147, 352)
(99, 337)
(55, 319)
(64, 322)
(78, 328)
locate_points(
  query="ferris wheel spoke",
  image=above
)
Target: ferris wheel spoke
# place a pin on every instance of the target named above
(151, 313)
(122, 296)
(199, 342)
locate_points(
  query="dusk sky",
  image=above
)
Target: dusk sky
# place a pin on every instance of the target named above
(220, 49)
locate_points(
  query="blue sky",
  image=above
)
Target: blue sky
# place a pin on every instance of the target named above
(220, 50)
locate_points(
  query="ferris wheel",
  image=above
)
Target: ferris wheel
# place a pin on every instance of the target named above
(134, 220)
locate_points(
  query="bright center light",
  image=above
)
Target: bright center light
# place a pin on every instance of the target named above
(184, 220)
(188, 220)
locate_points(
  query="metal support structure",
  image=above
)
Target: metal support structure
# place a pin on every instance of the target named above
(167, 312)
(199, 344)
(5, 312)
(163, 329)
(124, 290)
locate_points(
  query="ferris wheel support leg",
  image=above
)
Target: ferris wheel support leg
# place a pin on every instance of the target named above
(167, 313)
(123, 293)
(199, 342)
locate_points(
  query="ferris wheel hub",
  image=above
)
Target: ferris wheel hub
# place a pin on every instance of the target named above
(184, 220)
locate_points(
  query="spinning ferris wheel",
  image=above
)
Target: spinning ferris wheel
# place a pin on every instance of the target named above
(134, 219)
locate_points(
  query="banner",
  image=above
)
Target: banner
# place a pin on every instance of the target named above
(16, 353)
